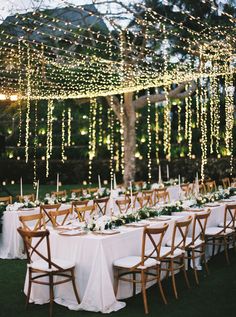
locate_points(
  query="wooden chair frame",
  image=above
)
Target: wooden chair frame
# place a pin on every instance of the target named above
(6, 199)
(81, 211)
(61, 193)
(123, 205)
(35, 275)
(223, 237)
(30, 197)
(78, 191)
(44, 209)
(177, 262)
(122, 274)
(210, 185)
(92, 190)
(55, 214)
(225, 182)
(161, 193)
(101, 203)
(148, 193)
(193, 253)
(134, 195)
(144, 201)
(37, 226)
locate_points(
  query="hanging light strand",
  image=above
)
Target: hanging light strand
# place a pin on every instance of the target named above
(149, 133)
(122, 134)
(111, 140)
(63, 157)
(27, 126)
(35, 141)
(157, 129)
(69, 127)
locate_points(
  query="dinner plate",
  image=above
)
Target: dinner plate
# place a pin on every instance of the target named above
(137, 225)
(71, 233)
(212, 205)
(106, 232)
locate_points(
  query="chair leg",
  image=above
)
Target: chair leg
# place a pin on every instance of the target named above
(213, 247)
(29, 290)
(185, 272)
(143, 283)
(160, 285)
(74, 285)
(173, 278)
(134, 284)
(204, 259)
(226, 250)
(116, 281)
(194, 267)
(51, 294)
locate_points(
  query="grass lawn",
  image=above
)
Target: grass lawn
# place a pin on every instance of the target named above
(214, 297)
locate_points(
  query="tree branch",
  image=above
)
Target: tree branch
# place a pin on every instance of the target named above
(175, 93)
(115, 105)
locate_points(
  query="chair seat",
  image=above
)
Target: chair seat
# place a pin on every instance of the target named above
(227, 223)
(213, 231)
(165, 250)
(43, 265)
(130, 261)
(194, 245)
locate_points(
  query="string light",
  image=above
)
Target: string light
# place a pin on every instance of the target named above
(63, 157)
(111, 140)
(122, 134)
(28, 105)
(35, 141)
(203, 98)
(157, 129)
(49, 135)
(149, 133)
(69, 127)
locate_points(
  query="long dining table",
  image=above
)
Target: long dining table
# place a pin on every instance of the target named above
(94, 255)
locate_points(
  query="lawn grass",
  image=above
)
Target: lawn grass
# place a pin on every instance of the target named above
(214, 297)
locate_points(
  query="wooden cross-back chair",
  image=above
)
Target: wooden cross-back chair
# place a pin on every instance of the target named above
(29, 197)
(210, 185)
(123, 205)
(92, 190)
(127, 268)
(139, 184)
(44, 210)
(161, 194)
(145, 201)
(61, 193)
(225, 182)
(77, 191)
(101, 204)
(174, 253)
(148, 193)
(224, 233)
(32, 222)
(61, 214)
(79, 203)
(81, 211)
(134, 198)
(6, 200)
(45, 265)
(186, 188)
(195, 246)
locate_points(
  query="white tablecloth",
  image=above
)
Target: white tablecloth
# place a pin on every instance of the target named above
(94, 256)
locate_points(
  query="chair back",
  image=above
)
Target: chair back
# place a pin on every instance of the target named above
(123, 205)
(161, 194)
(29, 197)
(6, 200)
(79, 203)
(229, 217)
(101, 204)
(92, 190)
(78, 191)
(36, 220)
(226, 182)
(61, 193)
(144, 201)
(148, 193)
(180, 232)
(139, 184)
(199, 225)
(186, 189)
(155, 236)
(210, 185)
(62, 214)
(44, 210)
(81, 211)
(134, 198)
(32, 241)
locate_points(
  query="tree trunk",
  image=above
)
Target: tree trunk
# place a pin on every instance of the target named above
(129, 138)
